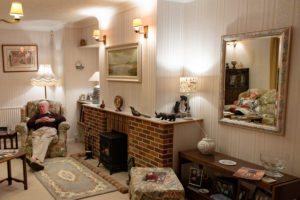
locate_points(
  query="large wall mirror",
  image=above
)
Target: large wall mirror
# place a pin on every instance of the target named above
(254, 80)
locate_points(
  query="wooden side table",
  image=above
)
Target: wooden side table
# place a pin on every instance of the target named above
(286, 187)
(22, 155)
(4, 136)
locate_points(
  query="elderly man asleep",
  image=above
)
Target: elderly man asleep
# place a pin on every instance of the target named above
(45, 126)
(247, 105)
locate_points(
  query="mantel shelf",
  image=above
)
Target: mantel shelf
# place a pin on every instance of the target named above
(152, 119)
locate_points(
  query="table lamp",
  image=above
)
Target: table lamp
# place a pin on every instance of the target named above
(188, 85)
(45, 78)
(95, 78)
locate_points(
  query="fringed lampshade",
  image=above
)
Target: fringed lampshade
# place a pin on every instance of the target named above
(45, 78)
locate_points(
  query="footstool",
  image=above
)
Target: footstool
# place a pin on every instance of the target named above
(170, 189)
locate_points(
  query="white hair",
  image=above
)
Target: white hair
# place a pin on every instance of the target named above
(44, 102)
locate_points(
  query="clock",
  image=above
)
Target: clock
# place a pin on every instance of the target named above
(118, 103)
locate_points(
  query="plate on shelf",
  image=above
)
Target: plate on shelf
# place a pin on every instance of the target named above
(227, 162)
(204, 191)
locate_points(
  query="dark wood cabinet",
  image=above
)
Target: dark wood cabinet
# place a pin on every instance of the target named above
(236, 82)
(285, 188)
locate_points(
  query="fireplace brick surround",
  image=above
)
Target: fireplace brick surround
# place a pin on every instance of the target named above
(150, 141)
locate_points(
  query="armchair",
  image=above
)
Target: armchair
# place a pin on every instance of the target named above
(57, 147)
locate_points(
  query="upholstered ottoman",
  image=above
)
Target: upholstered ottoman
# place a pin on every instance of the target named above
(170, 189)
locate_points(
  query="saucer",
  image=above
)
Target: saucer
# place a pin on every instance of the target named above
(227, 162)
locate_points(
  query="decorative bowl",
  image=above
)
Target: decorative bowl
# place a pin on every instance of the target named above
(273, 163)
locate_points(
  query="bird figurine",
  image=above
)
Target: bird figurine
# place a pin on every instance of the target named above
(137, 113)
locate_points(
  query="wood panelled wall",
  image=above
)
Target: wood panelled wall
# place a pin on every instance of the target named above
(204, 23)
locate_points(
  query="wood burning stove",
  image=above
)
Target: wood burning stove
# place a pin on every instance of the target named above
(113, 151)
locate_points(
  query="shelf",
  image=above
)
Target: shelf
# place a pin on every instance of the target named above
(84, 102)
(194, 195)
(89, 46)
(81, 124)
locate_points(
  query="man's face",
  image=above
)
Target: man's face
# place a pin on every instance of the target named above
(44, 108)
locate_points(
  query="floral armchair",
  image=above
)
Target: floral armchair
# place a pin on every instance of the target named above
(57, 147)
(267, 104)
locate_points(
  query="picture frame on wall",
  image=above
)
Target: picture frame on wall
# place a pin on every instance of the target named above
(124, 63)
(20, 58)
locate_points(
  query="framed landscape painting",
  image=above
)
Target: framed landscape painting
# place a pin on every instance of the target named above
(123, 63)
(20, 58)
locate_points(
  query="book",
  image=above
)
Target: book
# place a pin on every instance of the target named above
(248, 173)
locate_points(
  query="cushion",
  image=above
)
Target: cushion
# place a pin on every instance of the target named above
(269, 97)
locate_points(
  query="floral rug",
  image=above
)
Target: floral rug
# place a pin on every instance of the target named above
(66, 178)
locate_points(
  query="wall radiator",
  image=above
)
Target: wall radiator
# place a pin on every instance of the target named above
(10, 116)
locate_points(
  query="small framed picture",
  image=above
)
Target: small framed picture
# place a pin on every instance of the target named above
(196, 176)
(20, 58)
(243, 193)
(226, 186)
(261, 194)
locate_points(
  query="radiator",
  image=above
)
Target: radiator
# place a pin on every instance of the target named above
(10, 116)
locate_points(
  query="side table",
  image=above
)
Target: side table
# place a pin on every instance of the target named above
(4, 135)
(22, 155)
(170, 189)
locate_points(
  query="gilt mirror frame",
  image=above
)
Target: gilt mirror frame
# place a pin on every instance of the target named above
(283, 68)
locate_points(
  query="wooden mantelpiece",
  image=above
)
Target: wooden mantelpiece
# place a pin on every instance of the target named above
(150, 140)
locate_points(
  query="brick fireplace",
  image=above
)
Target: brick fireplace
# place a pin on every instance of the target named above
(150, 141)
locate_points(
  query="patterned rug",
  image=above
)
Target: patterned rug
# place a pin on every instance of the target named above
(66, 178)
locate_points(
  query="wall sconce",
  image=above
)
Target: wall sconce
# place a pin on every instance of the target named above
(16, 11)
(97, 35)
(233, 43)
(139, 27)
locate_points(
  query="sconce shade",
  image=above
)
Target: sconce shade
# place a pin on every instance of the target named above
(45, 77)
(188, 84)
(16, 10)
(96, 33)
(137, 22)
(94, 77)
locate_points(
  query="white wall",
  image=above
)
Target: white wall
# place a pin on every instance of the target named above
(120, 31)
(204, 23)
(15, 87)
(255, 55)
(76, 81)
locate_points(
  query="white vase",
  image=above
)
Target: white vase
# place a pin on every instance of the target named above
(206, 146)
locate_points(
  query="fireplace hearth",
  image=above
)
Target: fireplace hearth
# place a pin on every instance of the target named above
(113, 151)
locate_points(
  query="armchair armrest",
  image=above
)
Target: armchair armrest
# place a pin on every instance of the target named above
(63, 126)
(22, 129)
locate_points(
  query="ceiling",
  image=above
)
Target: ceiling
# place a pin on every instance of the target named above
(51, 14)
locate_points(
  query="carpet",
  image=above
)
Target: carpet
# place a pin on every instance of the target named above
(80, 158)
(66, 178)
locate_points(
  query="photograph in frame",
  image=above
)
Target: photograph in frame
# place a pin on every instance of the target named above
(20, 58)
(196, 176)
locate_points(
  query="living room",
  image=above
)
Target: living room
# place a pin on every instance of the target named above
(184, 40)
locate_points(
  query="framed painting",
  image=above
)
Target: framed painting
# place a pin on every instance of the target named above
(124, 63)
(20, 58)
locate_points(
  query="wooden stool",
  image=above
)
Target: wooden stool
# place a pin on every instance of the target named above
(170, 189)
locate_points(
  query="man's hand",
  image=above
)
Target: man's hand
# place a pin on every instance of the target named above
(44, 119)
